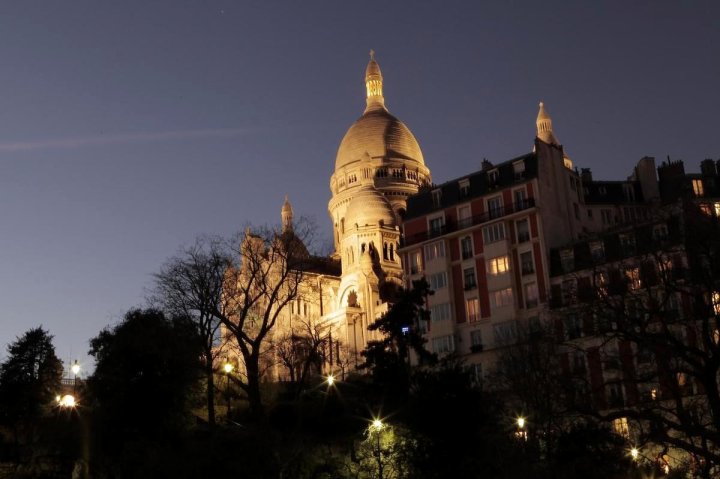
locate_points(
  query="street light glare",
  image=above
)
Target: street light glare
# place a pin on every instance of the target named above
(67, 400)
(228, 368)
(330, 379)
(75, 368)
(521, 422)
(634, 452)
(377, 424)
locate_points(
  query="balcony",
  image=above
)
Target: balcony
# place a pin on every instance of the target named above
(452, 226)
(476, 348)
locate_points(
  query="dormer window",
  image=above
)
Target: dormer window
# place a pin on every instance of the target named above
(464, 186)
(493, 177)
(437, 198)
(698, 187)
(519, 169)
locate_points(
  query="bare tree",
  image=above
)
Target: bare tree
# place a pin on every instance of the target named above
(266, 276)
(301, 351)
(191, 284)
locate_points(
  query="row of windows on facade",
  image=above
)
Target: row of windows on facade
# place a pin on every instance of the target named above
(493, 205)
(503, 334)
(491, 234)
(608, 282)
(628, 247)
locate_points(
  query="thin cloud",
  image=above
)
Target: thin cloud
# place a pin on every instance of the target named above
(120, 138)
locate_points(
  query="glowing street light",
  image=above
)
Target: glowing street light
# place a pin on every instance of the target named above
(330, 379)
(521, 422)
(228, 368)
(634, 453)
(75, 368)
(377, 424)
(66, 401)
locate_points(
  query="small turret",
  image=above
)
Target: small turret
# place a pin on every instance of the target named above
(374, 85)
(544, 127)
(286, 215)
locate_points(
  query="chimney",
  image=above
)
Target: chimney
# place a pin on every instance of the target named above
(486, 165)
(586, 175)
(707, 168)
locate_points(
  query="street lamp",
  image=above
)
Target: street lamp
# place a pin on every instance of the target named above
(375, 428)
(228, 368)
(521, 432)
(330, 379)
(634, 453)
(75, 368)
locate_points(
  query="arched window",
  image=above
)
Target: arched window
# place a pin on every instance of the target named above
(392, 252)
(385, 251)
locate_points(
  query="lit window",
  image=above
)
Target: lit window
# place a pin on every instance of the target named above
(716, 302)
(472, 310)
(500, 298)
(498, 265)
(434, 250)
(494, 233)
(716, 207)
(416, 262)
(653, 394)
(440, 312)
(633, 278)
(698, 187)
(438, 281)
(621, 427)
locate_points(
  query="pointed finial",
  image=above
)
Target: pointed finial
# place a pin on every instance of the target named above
(286, 215)
(544, 126)
(372, 55)
(374, 84)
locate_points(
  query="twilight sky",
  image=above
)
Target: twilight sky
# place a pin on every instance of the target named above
(129, 128)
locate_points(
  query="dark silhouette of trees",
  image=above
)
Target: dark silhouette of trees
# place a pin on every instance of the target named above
(191, 285)
(146, 376)
(29, 381)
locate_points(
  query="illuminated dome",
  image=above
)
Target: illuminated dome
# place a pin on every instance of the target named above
(377, 133)
(369, 207)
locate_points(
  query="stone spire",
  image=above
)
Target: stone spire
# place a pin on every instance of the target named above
(544, 127)
(286, 214)
(374, 84)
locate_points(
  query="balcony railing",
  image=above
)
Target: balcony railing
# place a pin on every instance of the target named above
(452, 226)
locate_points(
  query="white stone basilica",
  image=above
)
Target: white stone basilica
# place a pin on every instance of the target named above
(378, 165)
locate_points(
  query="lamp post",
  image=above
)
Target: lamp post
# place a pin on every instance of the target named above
(75, 368)
(375, 428)
(228, 368)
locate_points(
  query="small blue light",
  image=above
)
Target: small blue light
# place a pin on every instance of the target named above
(405, 329)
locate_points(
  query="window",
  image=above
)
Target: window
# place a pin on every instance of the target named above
(438, 281)
(505, 333)
(437, 198)
(597, 251)
(567, 260)
(500, 298)
(476, 337)
(573, 327)
(633, 278)
(466, 247)
(627, 243)
(472, 310)
(440, 312)
(477, 373)
(629, 192)
(520, 197)
(494, 206)
(437, 226)
(519, 169)
(527, 265)
(698, 187)
(469, 278)
(531, 295)
(569, 291)
(523, 230)
(443, 344)
(606, 216)
(493, 176)
(620, 425)
(499, 265)
(464, 186)
(464, 217)
(434, 250)
(578, 366)
(494, 233)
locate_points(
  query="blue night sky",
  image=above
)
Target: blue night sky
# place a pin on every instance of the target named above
(129, 128)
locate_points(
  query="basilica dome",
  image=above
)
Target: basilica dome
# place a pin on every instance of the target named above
(377, 133)
(369, 207)
(380, 135)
